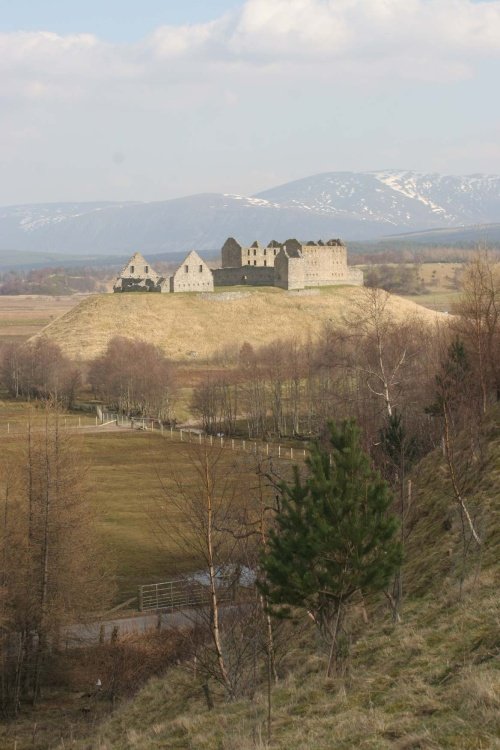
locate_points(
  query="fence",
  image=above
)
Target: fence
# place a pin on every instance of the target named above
(180, 594)
(194, 435)
(19, 426)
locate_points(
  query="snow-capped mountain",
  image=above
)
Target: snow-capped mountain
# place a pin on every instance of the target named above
(354, 206)
(396, 199)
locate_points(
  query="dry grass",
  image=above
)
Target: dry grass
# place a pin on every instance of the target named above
(190, 326)
(431, 682)
(415, 686)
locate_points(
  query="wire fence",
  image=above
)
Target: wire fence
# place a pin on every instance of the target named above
(103, 419)
(195, 435)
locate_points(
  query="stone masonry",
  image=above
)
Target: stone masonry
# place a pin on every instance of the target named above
(295, 264)
(193, 275)
(138, 276)
(288, 265)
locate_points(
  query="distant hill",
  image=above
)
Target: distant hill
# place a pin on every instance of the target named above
(354, 206)
(192, 326)
(489, 234)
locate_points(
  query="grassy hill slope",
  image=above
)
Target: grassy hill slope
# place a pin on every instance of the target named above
(430, 682)
(197, 325)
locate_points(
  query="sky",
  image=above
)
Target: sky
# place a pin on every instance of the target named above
(151, 100)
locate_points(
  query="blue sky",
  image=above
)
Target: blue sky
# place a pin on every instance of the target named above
(154, 100)
(114, 20)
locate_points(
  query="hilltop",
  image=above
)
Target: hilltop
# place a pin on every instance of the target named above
(192, 326)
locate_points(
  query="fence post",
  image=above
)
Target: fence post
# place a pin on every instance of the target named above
(267, 449)
(171, 432)
(304, 452)
(211, 439)
(181, 435)
(232, 444)
(243, 445)
(279, 451)
(291, 454)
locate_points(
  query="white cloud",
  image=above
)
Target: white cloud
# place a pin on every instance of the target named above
(403, 39)
(234, 96)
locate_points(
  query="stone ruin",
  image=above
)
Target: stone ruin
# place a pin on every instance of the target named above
(288, 265)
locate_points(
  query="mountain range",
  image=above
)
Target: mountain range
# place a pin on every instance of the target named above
(355, 206)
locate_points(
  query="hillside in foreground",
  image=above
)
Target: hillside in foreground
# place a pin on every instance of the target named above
(191, 326)
(430, 682)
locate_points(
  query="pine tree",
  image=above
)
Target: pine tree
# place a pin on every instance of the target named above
(333, 538)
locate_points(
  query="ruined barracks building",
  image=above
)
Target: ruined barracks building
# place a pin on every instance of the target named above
(288, 265)
(193, 275)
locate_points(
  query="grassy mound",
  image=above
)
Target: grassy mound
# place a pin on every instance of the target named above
(197, 325)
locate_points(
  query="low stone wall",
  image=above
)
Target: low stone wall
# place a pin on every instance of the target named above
(251, 275)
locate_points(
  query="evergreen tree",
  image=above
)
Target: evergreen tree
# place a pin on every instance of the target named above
(333, 537)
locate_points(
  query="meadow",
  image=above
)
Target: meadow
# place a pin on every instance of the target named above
(131, 475)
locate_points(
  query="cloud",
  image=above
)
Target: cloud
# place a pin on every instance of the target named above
(410, 40)
(240, 95)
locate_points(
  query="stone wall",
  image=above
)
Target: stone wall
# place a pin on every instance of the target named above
(325, 265)
(289, 270)
(231, 253)
(234, 255)
(251, 275)
(193, 275)
(138, 276)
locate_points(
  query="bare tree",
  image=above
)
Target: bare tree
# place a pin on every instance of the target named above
(53, 569)
(478, 321)
(134, 377)
(203, 517)
(39, 370)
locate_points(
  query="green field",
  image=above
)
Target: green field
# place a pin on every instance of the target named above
(127, 472)
(440, 301)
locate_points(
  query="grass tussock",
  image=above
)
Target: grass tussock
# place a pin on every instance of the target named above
(431, 682)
